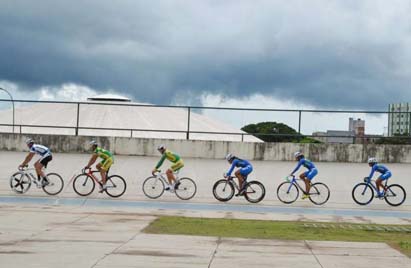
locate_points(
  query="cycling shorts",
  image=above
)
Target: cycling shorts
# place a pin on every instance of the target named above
(245, 171)
(310, 174)
(45, 160)
(106, 163)
(177, 165)
(385, 176)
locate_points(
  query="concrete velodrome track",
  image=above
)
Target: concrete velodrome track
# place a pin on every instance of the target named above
(37, 230)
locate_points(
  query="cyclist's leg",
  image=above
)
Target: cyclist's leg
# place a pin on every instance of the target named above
(170, 172)
(309, 176)
(242, 175)
(103, 167)
(303, 176)
(42, 162)
(380, 179)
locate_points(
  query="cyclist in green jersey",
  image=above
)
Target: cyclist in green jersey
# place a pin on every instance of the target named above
(177, 165)
(104, 165)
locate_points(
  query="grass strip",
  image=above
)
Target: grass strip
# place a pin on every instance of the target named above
(285, 230)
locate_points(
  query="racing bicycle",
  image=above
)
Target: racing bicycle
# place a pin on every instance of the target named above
(363, 193)
(224, 190)
(84, 183)
(288, 191)
(154, 186)
(20, 182)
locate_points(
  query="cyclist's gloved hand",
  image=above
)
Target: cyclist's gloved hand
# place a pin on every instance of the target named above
(366, 179)
(155, 171)
(225, 175)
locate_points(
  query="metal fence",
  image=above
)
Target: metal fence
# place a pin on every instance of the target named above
(46, 117)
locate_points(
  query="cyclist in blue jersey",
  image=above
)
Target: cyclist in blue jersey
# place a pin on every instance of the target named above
(245, 168)
(306, 176)
(45, 157)
(385, 174)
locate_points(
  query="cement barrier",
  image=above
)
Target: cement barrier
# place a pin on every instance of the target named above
(215, 149)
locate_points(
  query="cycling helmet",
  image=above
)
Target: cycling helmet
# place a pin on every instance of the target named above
(29, 141)
(372, 160)
(161, 147)
(298, 154)
(229, 157)
(93, 143)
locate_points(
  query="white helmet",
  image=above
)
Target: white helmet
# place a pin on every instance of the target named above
(93, 143)
(29, 141)
(298, 154)
(372, 160)
(229, 157)
(161, 147)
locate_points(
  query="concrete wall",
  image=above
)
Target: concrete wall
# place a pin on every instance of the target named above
(215, 149)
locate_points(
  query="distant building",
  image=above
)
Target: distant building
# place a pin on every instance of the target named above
(357, 126)
(355, 133)
(399, 122)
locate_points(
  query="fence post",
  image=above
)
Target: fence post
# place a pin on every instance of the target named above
(188, 122)
(299, 122)
(78, 118)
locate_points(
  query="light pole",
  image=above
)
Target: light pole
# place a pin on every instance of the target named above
(12, 102)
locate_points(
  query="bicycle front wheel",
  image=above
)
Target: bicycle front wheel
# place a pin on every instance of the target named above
(223, 190)
(254, 192)
(83, 185)
(20, 182)
(53, 184)
(362, 194)
(319, 193)
(395, 195)
(153, 187)
(287, 192)
(115, 186)
(185, 188)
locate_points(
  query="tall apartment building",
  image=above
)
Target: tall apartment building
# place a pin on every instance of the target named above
(357, 126)
(399, 123)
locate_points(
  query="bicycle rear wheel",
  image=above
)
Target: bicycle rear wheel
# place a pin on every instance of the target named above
(185, 188)
(287, 192)
(254, 192)
(83, 185)
(153, 187)
(52, 184)
(223, 190)
(115, 186)
(319, 193)
(362, 194)
(20, 182)
(395, 195)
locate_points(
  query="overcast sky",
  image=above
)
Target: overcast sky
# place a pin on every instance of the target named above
(322, 54)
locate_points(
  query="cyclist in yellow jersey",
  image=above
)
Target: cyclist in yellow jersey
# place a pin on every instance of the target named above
(177, 165)
(104, 165)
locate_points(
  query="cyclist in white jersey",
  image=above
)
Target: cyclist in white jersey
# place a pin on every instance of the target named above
(45, 157)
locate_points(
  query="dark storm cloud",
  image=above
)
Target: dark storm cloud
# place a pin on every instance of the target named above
(325, 53)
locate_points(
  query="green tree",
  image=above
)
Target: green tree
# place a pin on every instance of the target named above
(272, 131)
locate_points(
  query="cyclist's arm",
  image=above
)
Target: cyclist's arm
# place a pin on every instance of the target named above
(371, 173)
(163, 157)
(27, 159)
(297, 167)
(232, 167)
(92, 160)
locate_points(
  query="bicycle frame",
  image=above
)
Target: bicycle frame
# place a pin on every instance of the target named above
(163, 177)
(29, 173)
(373, 185)
(294, 181)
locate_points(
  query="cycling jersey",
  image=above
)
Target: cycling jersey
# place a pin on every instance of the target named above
(305, 163)
(379, 168)
(172, 157)
(245, 166)
(104, 154)
(40, 150)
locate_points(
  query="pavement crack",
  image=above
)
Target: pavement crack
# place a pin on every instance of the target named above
(312, 252)
(114, 250)
(215, 252)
